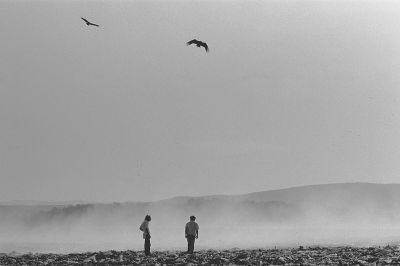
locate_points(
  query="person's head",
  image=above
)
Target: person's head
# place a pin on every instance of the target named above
(147, 218)
(192, 218)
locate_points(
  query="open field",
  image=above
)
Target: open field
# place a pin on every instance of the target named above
(343, 255)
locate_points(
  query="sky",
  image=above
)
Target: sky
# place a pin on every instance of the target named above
(291, 93)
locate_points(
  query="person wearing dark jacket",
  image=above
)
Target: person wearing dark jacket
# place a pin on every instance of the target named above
(191, 233)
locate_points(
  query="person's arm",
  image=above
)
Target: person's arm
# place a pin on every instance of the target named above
(147, 231)
(186, 231)
(197, 231)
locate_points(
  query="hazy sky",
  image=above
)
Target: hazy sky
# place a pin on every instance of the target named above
(291, 93)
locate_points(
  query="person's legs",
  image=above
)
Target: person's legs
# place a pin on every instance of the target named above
(190, 244)
(192, 247)
(147, 246)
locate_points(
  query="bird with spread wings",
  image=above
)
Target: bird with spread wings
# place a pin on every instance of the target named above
(199, 44)
(89, 23)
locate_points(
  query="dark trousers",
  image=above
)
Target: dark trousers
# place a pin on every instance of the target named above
(147, 245)
(190, 240)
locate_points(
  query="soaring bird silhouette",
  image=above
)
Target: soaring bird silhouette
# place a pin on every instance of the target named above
(89, 23)
(198, 43)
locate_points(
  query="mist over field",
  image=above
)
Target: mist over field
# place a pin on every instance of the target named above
(359, 214)
(102, 123)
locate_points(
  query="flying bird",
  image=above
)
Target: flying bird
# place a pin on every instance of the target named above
(198, 43)
(89, 23)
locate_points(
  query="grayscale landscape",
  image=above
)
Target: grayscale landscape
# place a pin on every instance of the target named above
(359, 214)
(274, 123)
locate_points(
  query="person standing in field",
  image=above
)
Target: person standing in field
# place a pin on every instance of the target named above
(191, 233)
(144, 227)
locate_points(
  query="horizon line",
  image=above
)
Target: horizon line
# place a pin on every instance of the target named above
(20, 202)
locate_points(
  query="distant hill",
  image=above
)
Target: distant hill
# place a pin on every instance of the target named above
(42, 203)
(355, 201)
(346, 191)
(342, 201)
(324, 213)
(331, 193)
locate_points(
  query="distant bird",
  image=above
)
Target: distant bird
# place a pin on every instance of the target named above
(198, 43)
(89, 23)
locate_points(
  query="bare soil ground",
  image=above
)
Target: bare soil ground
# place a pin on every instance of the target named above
(388, 255)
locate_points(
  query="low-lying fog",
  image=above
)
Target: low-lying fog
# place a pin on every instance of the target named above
(324, 215)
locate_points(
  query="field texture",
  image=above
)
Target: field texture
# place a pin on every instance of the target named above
(388, 255)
